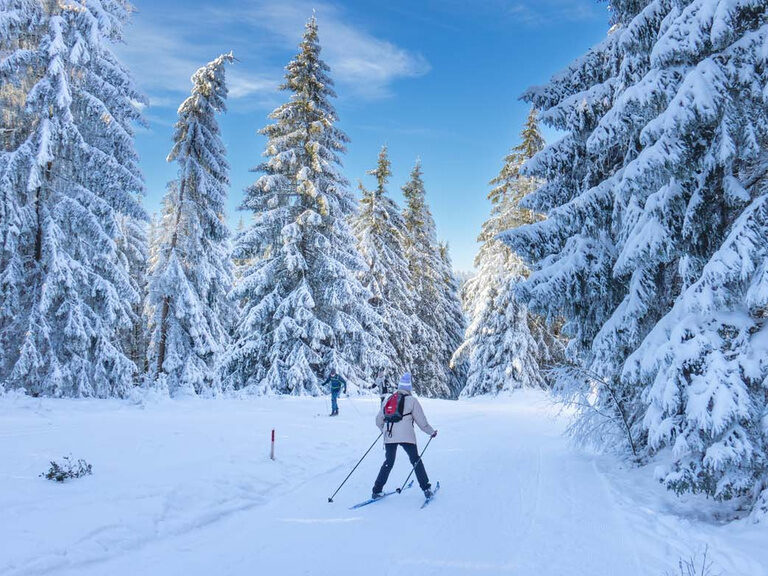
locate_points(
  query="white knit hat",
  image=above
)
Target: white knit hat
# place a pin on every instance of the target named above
(405, 382)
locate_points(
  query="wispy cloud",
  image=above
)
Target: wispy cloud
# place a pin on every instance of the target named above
(158, 56)
(163, 57)
(527, 12)
(165, 47)
(244, 85)
(163, 101)
(541, 12)
(366, 64)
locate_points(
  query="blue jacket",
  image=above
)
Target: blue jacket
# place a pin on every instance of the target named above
(336, 383)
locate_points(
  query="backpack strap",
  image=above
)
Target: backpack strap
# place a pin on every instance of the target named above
(402, 408)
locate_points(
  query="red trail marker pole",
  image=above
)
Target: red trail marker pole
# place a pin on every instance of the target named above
(272, 450)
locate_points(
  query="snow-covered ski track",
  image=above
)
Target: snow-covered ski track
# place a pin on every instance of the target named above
(188, 488)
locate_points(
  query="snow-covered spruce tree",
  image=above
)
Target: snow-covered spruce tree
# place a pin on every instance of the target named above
(431, 371)
(379, 228)
(698, 187)
(663, 218)
(154, 235)
(704, 365)
(188, 307)
(69, 175)
(572, 253)
(304, 308)
(20, 30)
(453, 322)
(240, 266)
(133, 249)
(504, 346)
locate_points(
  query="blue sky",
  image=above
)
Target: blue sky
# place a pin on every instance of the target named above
(435, 79)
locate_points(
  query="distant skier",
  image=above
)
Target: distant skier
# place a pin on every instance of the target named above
(395, 419)
(337, 384)
(380, 384)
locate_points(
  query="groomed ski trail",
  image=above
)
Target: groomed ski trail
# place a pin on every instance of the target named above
(188, 488)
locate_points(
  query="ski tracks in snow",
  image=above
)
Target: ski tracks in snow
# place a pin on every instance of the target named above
(166, 512)
(684, 534)
(188, 489)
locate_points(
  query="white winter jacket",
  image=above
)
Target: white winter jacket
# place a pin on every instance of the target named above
(403, 432)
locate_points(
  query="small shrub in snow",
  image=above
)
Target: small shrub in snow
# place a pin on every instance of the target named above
(695, 567)
(68, 469)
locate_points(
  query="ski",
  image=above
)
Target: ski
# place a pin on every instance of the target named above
(372, 500)
(428, 500)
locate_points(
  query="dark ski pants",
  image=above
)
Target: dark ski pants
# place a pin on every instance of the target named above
(334, 402)
(389, 461)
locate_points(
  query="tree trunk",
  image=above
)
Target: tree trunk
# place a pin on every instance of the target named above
(38, 203)
(161, 345)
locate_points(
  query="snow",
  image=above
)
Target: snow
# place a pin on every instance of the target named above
(187, 487)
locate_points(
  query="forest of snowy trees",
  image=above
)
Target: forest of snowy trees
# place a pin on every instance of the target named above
(655, 244)
(97, 299)
(624, 265)
(505, 346)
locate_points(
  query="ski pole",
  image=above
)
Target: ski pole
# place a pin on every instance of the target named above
(356, 465)
(414, 466)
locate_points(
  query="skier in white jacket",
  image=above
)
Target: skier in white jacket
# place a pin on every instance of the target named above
(402, 434)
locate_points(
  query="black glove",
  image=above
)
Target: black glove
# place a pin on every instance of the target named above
(434, 433)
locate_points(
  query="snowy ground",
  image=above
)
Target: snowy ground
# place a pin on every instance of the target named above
(186, 488)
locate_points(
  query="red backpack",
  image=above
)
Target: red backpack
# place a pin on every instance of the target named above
(393, 411)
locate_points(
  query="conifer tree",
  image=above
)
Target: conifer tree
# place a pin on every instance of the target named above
(429, 276)
(20, 30)
(573, 251)
(380, 228)
(696, 194)
(500, 345)
(68, 176)
(240, 266)
(453, 322)
(153, 239)
(189, 310)
(133, 249)
(304, 308)
(653, 244)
